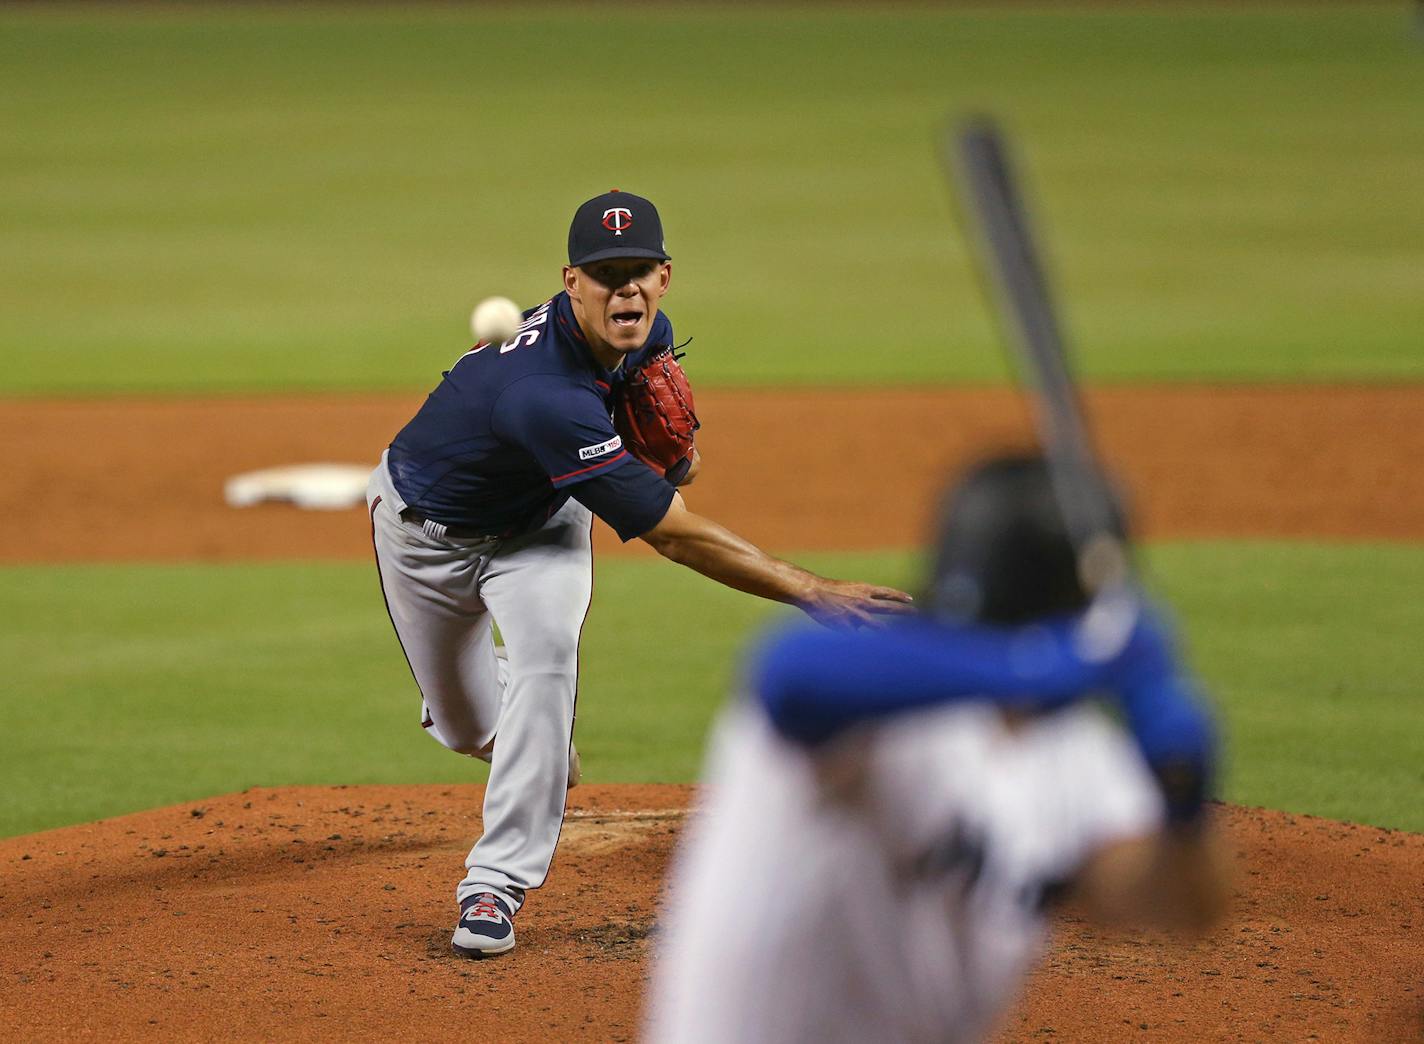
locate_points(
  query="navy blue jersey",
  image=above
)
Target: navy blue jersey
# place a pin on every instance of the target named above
(499, 446)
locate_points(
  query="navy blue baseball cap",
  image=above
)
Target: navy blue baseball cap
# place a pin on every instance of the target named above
(616, 224)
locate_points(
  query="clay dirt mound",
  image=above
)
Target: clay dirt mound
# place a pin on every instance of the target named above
(324, 913)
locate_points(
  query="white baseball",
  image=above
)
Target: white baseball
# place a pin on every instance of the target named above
(495, 320)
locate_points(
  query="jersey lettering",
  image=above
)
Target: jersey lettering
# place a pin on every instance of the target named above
(538, 317)
(527, 334)
(523, 339)
(958, 855)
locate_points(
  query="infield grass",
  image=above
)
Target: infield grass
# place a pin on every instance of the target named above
(313, 196)
(129, 686)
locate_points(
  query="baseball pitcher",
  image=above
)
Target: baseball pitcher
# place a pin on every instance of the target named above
(481, 511)
(888, 815)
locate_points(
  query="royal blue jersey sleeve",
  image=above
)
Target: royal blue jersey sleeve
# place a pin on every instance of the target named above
(1167, 714)
(563, 425)
(813, 684)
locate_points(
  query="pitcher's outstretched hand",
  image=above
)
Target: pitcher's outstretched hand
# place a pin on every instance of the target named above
(847, 603)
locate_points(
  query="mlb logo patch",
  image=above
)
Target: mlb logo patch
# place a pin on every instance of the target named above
(589, 452)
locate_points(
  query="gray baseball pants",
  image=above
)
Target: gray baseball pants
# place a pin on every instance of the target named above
(444, 595)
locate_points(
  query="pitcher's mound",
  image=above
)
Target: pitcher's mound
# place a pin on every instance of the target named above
(325, 913)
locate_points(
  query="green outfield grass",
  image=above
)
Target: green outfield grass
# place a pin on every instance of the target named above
(129, 687)
(314, 196)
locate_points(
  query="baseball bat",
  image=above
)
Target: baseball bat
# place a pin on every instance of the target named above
(977, 163)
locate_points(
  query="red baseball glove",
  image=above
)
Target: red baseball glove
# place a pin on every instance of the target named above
(655, 415)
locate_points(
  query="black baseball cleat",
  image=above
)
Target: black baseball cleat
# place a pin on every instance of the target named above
(485, 927)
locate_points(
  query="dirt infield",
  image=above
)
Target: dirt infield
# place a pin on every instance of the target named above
(139, 479)
(324, 914)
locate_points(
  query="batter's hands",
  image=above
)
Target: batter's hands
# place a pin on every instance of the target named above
(848, 604)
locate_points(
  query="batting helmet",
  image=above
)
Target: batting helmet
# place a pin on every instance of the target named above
(1002, 553)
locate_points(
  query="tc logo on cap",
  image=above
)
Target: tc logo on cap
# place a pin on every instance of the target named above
(616, 219)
